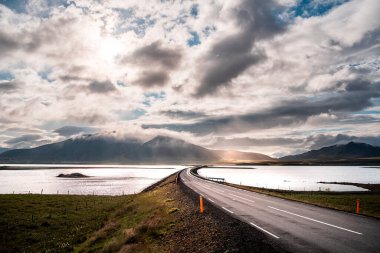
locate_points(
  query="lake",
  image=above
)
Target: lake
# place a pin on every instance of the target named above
(300, 178)
(102, 180)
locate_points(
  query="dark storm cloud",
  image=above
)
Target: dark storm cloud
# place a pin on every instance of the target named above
(178, 114)
(152, 78)
(232, 55)
(156, 54)
(222, 71)
(156, 62)
(101, 87)
(8, 86)
(24, 138)
(68, 78)
(356, 97)
(74, 73)
(7, 43)
(68, 131)
(30, 41)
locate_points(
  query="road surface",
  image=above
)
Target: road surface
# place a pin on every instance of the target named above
(295, 226)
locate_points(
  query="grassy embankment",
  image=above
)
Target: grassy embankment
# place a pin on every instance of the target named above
(369, 201)
(63, 223)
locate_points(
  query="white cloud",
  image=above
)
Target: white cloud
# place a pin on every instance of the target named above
(57, 53)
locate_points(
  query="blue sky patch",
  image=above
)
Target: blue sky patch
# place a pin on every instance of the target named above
(19, 6)
(6, 75)
(14, 5)
(134, 114)
(45, 75)
(137, 25)
(309, 8)
(194, 40)
(194, 11)
(368, 112)
(149, 96)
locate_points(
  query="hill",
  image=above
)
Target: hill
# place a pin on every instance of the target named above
(349, 151)
(163, 149)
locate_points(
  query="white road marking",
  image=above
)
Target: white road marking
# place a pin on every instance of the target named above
(212, 189)
(232, 189)
(236, 196)
(211, 200)
(304, 217)
(266, 231)
(227, 209)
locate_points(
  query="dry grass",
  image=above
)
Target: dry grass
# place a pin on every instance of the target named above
(136, 226)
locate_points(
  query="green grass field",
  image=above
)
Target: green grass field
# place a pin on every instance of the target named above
(68, 223)
(51, 223)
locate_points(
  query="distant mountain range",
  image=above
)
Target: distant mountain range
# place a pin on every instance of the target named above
(2, 150)
(349, 151)
(103, 149)
(162, 149)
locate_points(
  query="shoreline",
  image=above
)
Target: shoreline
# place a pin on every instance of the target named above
(370, 187)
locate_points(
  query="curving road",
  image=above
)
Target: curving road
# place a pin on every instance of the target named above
(295, 226)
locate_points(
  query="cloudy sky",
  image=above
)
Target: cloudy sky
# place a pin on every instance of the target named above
(274, 76)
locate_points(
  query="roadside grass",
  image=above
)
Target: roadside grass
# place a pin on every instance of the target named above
(137, 226)
(369, 201)
(72, 223)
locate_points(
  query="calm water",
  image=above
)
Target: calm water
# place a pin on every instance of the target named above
(296, 177)
(103, 180)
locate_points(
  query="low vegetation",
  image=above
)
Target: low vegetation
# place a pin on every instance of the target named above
(369, 201)
(163, 219)
(52, 223)
(64, 223)
(136, 226)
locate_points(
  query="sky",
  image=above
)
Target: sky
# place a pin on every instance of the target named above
(277, 77)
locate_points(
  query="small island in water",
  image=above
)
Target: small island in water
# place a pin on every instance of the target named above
(72, 175)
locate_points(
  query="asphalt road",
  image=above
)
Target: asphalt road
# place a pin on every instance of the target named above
(295, 226)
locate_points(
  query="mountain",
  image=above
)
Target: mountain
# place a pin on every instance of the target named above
(101, 149)
(2, 150)
(238, 156)
(88, 148)
(349, 151)
(162, 149)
